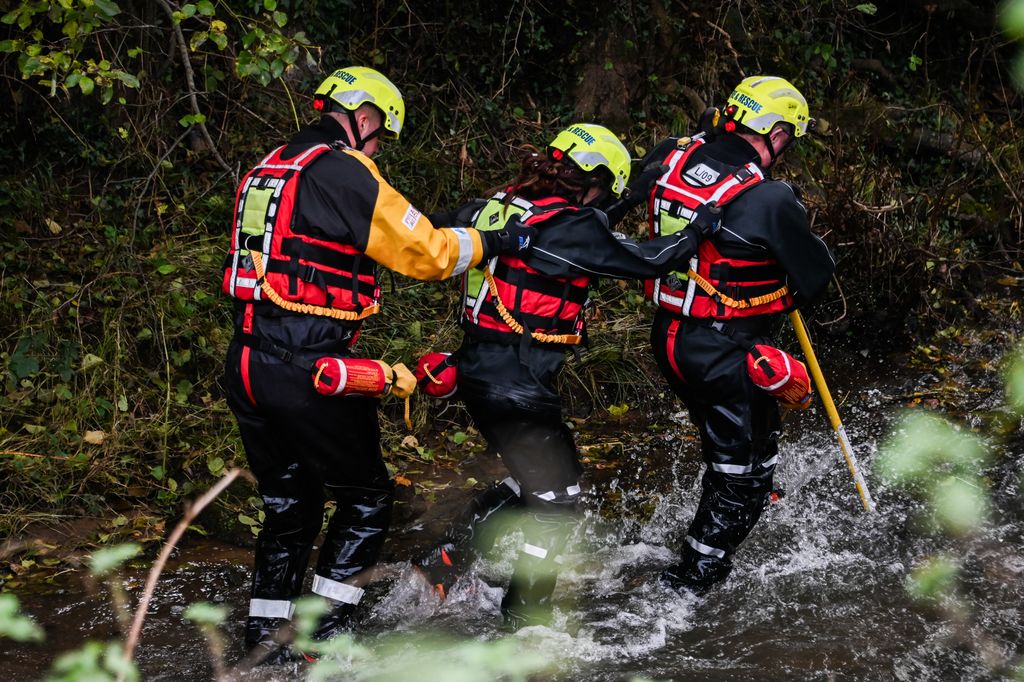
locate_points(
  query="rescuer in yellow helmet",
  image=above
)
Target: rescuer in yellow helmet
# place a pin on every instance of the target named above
(520, 315)
(312, 222)
(761, 261)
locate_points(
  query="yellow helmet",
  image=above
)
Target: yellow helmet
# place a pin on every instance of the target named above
(759, 102)
(590, 146)
(354, 86)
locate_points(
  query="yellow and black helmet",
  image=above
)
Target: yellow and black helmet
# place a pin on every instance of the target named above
(760, 102)
(355, 86)
(590, 146)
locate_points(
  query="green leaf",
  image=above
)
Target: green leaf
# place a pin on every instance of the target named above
(1011, 18)
(459, 437)
(934, 579)
(247, 520)
(189, 10)
(189, 119)
(205, 8)
(14, 625)
(86, 85)
(158, 473)
(960, 506)
(21, 364)
(925, 442)
(126, 78)
(280, 18)
(270, 5)
(1015, 382)
(618, 410)
(108, 7)
(204, 613)
(167, 269)
(867, 8)
(215, 465)
(108, 559)
(89, 361)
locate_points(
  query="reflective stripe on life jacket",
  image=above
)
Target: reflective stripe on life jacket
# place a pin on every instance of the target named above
(300, 273)
(715, 286)
(544, 306)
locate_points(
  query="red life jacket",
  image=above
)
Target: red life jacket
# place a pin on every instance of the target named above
(715, 286)
(306, 274)
(538, 303)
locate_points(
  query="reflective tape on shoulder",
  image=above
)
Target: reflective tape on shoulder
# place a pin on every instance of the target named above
(770, 462)
(534, 550)
(733, 468)
(338, 591)
(465, 250)
(547, 497)
(513, 485)
(706, 550)
(271, 608)
(573, 490)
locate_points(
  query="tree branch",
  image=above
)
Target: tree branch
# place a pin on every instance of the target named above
(190, 81)
(191, 512)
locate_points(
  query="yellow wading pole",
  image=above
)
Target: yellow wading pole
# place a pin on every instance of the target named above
(833, 413)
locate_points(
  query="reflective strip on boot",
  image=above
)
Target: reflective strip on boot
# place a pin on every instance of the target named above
(732, 468)
(551, 495)
(534, 550)
(706, 550)
(513, 485)
(271, 608)
(338, 591)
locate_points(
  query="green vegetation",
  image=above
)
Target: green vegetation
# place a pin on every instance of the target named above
(950, 466)
(127, 124)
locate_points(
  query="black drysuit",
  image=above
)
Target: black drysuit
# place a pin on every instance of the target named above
(301, 445)
(739, 423)
(510, 392)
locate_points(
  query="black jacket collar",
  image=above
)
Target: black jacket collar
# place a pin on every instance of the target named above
(325, 131)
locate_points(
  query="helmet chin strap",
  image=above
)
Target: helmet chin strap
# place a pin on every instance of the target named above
(359, 141)
(772, 154)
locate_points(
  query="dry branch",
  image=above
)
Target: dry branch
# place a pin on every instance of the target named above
(191, 512)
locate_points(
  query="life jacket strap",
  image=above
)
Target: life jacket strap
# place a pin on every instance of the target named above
(506, 316)
(304, 308)
(740, 304)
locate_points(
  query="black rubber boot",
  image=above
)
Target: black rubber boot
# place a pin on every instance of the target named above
(266, 640)
(472, 533)
(528, 598)
(696, 573)
(337, 621)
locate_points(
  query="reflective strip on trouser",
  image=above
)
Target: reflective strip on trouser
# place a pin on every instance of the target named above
(332, 589)
(739, 426)
(271, 608)
(704, 549)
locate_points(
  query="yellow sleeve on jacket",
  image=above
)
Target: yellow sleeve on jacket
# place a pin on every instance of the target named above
(402, 239)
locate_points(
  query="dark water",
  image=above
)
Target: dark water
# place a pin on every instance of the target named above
(818, 592)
